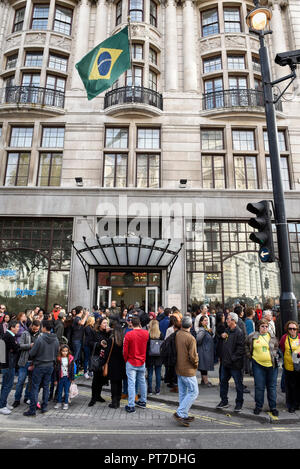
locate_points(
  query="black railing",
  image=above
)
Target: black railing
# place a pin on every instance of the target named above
(133, 94)
(32, 95)
(235, 98)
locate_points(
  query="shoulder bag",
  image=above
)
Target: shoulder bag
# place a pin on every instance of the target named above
(296, 360)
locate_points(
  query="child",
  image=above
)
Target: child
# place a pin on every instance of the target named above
(64, 375)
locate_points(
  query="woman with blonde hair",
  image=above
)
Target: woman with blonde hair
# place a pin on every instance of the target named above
(153, 358)
(88, 337)
(290, 344)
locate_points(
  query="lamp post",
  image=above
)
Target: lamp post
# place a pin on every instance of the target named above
(258, 21)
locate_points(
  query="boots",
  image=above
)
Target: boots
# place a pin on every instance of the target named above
(174, 389)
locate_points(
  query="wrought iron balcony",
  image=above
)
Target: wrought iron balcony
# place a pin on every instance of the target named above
(32, 95)
(133, 94)
(235, 98)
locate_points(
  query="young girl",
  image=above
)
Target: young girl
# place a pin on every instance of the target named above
(64, 375)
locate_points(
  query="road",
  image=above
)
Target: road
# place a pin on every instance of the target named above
(100, 427)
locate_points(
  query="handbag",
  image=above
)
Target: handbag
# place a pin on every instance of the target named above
(73, 391)
(154, 349)
(95, 361)
(105, 366)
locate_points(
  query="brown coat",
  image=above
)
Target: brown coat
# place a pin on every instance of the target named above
(187, 356)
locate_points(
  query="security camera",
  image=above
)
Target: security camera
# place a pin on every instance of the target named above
(291, 58)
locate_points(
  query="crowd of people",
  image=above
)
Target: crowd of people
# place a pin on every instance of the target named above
(126, 347)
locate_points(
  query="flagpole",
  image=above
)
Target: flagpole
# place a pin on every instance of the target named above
(131, 65)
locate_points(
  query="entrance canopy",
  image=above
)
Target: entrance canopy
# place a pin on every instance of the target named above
(127, 251)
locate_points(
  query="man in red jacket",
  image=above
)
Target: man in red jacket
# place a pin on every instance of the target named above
(134, 352)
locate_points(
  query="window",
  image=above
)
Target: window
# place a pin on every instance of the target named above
(214, 97)
(243, 140)
(115, 170)
(148, 138)
(211, 64)
(116, 137)
(256, 64)
(137, 77)
(62, 20)
(147, 170)
(31, 79)
(137, 51)
(281, 141)
(236, 62)
(19, 20)
(284, 173)
(17, 169)
(58, 62)
(245, 172)
(54, 95)
(213, 172)
(153, 13)
(11, 61)
(21, 137)
(40, 17)
(238, 96)
(34, 59)
(152, 80)
(232, 20)
(53, 137)
(212, 139)
(210, 22)
(136, 10)
(153, 56)
(50, 166)
(119, 13)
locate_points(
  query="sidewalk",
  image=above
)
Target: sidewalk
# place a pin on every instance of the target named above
(209, 397)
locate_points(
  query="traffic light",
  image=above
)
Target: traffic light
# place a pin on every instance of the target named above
(262, 223)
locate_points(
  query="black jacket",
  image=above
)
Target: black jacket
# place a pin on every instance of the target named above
(233, 350)
(12, 350)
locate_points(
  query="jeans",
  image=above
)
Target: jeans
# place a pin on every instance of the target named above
(87, 354)
(23, 372)
(136, 374)
(40, 375)
(7, 384)
(76, 346)
(188, 391)
(265, 377)
(157, 377)
(237, 375)
(63, 384)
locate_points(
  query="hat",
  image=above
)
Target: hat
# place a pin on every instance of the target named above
(61, 315)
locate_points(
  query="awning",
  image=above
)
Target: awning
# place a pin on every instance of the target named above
(127, 251)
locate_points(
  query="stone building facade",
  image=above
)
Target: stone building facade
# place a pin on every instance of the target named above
(186, 125)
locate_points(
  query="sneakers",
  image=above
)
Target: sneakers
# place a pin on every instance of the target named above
(29, 414)
(238, 408)
(57, 405)
(130, 410)
(124, 396)
(222, 405)
(9, 407)
(141, 404)
(5, 411)
(16, 404)
(257, 411)
(274, 412)
(87, 376)
(183, 421)
(65, 407)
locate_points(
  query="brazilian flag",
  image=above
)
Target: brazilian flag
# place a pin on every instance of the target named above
(102, 66)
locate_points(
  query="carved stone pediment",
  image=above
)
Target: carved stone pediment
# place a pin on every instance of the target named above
(232, 41)
(209, 44)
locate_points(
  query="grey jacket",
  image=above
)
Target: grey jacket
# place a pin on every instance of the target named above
(25, 342)
(45, 350)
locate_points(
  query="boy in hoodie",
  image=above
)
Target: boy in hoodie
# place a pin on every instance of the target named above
(43, 354)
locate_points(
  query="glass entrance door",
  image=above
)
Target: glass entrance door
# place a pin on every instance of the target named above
(104, 297)
(151, 299)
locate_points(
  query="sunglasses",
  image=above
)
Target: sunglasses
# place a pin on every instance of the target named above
(292, 328)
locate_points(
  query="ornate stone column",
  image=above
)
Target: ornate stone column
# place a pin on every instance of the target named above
(101, 22)
(278, 36)
(81, 39)
(171, 51)
(189, 52)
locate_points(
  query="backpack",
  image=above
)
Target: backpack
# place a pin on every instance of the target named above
(154, 348)
(168, 351)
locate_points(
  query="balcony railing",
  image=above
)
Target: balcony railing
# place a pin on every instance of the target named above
(133, 94)
(32, 95)
(235, 98)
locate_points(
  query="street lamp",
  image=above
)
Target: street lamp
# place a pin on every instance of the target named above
(258, 21)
